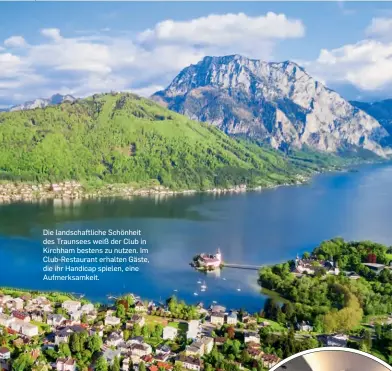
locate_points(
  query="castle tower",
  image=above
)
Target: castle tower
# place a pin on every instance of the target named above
(218, 255)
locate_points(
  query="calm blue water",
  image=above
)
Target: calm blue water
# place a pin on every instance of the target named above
(253, 228)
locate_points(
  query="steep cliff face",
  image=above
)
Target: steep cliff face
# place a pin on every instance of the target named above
(381, 111)
(276, 102)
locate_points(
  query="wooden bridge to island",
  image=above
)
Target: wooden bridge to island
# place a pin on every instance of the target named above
(242, 266)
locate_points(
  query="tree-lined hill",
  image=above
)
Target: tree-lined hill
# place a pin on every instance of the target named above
(122, 138)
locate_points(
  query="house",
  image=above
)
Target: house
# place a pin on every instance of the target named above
(65, 364)
(193, 329)
(16, 303)
(169, 333)
(304, 326)
(55, 320)
(126, 363)
(164, 366)
(87, 308)
(196, 349)
(112, 321)
(375, 267)
(5, 353)
(37, 316)
(218, 309)
(251, 337)
(110, 355)
(62, 335)
(338, 340)
(115, 339)
(136, 319)
(219, 341)
(5, 320)
(21, 316)
(163, 349)
(232, 319)
(140, 349)
(96, 330)
(76, 315)
(161, 357)
(24, 328)
(29, 330)
(255, 353)
(217, 318)
(208, 344)
(190, 363)
(269, 360)
(139, 307)
(71, 305)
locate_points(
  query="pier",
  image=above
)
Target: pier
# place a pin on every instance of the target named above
(242, 266)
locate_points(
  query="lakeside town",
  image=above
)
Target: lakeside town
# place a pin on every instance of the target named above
(341, 301)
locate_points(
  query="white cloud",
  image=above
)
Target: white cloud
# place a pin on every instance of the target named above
(15, 42)
(102, 61)
(380, 27)
(51, 33)
(231, 31)
(366, 64)
(147, 91)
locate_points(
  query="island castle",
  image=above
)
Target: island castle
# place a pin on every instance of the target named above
(210, 261)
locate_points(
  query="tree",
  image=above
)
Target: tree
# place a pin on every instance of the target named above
(120, 311)
(101, 364)
(142, 366)
(23, 362)
(231, 332)
(74, 342)
(64, 349)
(136, 330)
(94, 343)
(83, 319)
(116, 364)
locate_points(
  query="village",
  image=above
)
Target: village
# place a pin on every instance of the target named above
(49, 333)
(42, 330)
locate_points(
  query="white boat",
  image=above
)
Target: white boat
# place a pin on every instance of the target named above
(202, 290)
(238, 289)
(224, 279)
(203, 286)
(195, 293)
(199, 282)
(175, 290)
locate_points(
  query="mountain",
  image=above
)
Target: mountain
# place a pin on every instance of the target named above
(381, 111)
(122, 138)
(42, 103)
(278, 103)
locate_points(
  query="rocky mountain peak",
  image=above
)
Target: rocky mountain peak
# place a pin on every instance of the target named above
(278, 102)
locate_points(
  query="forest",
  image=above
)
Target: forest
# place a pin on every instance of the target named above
(333, 302)
(122, 138)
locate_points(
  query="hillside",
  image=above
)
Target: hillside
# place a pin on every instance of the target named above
(122, 138)
(279, 103)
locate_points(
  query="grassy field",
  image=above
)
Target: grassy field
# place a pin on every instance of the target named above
(154, 320)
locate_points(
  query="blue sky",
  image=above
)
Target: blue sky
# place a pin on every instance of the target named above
(88, 47)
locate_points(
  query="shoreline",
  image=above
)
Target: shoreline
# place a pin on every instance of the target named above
(11, 192)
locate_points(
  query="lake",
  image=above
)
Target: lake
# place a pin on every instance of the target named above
(252, 228)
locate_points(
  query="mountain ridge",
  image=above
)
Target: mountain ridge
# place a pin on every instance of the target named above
(41, 103)
(277, 102)
(122, 138)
